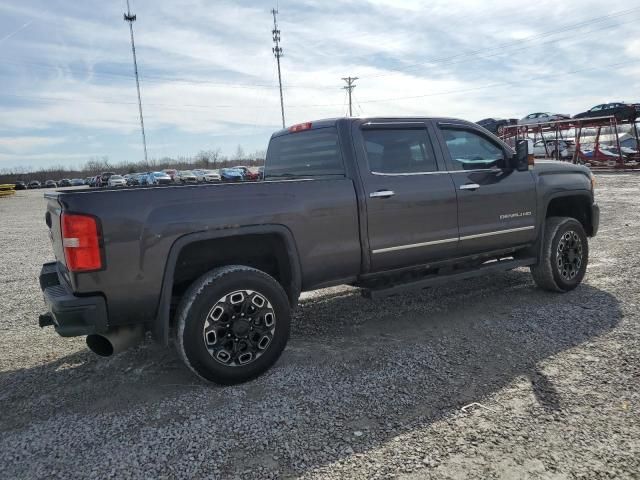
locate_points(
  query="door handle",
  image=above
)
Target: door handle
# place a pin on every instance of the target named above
(382, 194)
(469, 186)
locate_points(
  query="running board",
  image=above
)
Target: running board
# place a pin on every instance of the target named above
(431, 280)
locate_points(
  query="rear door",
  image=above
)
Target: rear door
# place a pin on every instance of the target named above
(410, 197)
(496, 204)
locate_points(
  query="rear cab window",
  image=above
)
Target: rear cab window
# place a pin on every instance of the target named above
(308, 154)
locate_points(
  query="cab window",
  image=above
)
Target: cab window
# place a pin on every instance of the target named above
(396, 150)
(471, 151)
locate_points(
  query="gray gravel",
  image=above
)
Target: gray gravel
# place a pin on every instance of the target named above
(364, 390)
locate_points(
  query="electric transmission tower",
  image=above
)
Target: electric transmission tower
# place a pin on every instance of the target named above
(277, 51)
(129, 17)
(349, 88)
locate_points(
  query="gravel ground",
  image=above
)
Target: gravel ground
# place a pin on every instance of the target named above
(364, 390)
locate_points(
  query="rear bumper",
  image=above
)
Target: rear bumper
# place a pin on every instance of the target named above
(595, 219)
(70, 315)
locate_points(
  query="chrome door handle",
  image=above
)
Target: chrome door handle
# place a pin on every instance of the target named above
(469, 186)
(382, 194)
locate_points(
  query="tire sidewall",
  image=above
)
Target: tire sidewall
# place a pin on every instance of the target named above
(564, 227)
(195, 351)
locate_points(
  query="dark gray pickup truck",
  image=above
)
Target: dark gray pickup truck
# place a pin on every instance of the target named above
(385, 204)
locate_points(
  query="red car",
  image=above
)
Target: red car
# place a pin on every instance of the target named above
(249, 174)
(602, 157)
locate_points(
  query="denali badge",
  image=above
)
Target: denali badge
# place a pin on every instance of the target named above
(514, 215)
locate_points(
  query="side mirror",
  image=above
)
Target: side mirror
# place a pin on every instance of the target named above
(522, 158)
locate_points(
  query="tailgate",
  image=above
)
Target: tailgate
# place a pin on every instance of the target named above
(52, 218)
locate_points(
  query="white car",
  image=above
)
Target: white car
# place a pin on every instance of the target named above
(542, 117)
(117, 181)
(210, 176)
(566, 148)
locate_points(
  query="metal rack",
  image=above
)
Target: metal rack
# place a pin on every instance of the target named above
(573, 129)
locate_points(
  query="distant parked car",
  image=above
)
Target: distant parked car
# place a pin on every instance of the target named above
(117, 181)
(20, 185)
(186, 176)
(77, 182)
(231, 174)
(87, 181)
(65, 182)
(104, 177)
(34, 184)
(542, 117)
(600, 157)
(50, 184)
(212, 176)
(249, 174)
(496, 125)
(158, 178)
(171, 172)
(206, 175)
(566, 148)
(622, 111)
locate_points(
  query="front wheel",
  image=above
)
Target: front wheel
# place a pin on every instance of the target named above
(233, 324)
(565, 254)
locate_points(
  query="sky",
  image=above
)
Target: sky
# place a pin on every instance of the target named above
(209, 80)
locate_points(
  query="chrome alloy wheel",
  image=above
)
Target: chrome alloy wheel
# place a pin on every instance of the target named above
(569, 255)
(239, 328)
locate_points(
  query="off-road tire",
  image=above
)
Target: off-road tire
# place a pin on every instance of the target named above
(194, 311)
(547, 273)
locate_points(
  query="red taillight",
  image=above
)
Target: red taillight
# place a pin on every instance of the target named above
(81, 242)
(300, 127)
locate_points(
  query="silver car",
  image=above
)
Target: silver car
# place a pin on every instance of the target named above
(117, 181)
(542, 117)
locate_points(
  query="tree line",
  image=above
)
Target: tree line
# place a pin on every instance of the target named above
(207, 159)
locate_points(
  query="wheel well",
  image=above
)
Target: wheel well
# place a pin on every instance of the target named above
(575, 206)
(266, 252)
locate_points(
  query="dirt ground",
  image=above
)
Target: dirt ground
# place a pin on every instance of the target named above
(365, 389)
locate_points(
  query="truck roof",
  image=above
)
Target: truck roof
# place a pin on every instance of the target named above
(328, 122)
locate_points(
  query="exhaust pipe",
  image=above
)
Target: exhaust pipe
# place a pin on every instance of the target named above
(115, 341)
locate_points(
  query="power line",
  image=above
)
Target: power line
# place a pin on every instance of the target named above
(161, 78)
(277, 51)
(349, 88)
(128, 17)
(539, 77)
(480, 52)
(383, 100)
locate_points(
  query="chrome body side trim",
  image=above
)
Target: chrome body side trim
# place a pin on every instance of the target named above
(498, 232)
(414, 245)
(449, 240)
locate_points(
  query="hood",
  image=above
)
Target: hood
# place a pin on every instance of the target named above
(554, 166)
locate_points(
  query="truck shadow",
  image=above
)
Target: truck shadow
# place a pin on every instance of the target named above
(356, 373)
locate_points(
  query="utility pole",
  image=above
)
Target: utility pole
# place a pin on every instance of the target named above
(277, 51)
(128, 17)
(349, 87)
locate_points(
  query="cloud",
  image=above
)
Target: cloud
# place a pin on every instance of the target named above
(208, 75)
(27, 144)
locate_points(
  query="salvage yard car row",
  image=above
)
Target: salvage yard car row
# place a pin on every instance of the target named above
(163, 177)
(621, 111)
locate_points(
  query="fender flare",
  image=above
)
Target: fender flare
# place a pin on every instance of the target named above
(160, 327)
(542, 219)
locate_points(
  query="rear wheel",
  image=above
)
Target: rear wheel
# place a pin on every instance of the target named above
(565, 255)
(233, 324)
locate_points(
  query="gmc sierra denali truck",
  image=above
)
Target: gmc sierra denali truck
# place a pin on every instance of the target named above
(385, 204)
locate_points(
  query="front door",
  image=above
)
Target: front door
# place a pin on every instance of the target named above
(410, 197)
(496, 204)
